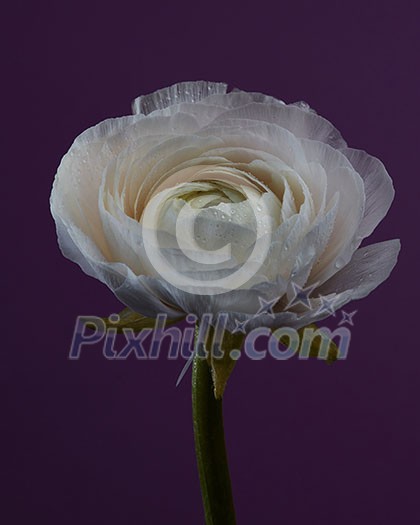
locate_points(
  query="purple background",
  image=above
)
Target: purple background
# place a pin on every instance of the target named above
(92, 441)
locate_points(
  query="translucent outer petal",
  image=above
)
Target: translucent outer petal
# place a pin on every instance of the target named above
(237, 98)
(368, 268)
(181, 92)
(301, 122)
(344, 180)
(379, 191)
(137, 292)
(245, 302)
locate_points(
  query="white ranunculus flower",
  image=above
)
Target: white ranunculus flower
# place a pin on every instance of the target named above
(208, 201)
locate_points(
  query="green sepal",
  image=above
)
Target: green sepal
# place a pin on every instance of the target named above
(221, 366)
(137, 322)
(316, 345)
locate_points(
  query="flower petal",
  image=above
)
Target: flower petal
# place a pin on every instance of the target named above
(379, 190)
(181, 92)
(301, 122)
(369, 267)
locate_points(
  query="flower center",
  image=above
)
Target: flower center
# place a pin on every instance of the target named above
(207, 194)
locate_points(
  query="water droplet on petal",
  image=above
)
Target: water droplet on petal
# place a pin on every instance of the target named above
(339, 263)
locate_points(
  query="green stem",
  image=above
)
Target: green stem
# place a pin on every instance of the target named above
(210, 447)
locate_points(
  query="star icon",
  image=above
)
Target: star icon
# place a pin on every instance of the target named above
(266, 307)
(327, 305)
(347, 318)
(301, 295)
(240, 327)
